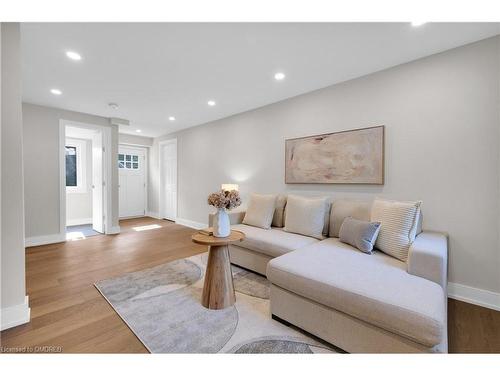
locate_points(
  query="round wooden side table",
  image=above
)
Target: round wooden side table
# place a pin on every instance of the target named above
(218, 288)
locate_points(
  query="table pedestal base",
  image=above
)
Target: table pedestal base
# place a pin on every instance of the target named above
(218, 289)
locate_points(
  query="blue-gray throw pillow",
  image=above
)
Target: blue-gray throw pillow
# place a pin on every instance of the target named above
(360, 234)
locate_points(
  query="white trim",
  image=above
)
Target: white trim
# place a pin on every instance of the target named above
(15, 315)
(154, 215)
(84, 221)
(107, 167)
(161, 210)
(44, 240)
(146, 174)
(133, 144)
(108, 179)
(190, 223)
(62, 180)
(469, 294)
(114, 230)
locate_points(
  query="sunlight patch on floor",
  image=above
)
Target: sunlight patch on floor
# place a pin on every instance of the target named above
(75, 236)
(146, 227)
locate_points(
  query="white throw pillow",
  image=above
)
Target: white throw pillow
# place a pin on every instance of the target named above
(260, 210)
(398, 226)
(305, 216)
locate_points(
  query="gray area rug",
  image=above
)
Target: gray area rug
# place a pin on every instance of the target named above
(161, 305)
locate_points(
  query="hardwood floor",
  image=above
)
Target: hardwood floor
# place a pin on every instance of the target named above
(68, 314)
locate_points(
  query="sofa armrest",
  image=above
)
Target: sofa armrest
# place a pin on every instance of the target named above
(428, 257)
(235, 217)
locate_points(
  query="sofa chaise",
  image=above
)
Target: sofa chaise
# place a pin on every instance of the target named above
(358, 302)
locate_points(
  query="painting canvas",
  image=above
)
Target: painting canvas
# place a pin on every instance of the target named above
(348, 157)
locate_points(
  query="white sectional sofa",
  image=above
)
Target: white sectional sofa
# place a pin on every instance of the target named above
(358, 302)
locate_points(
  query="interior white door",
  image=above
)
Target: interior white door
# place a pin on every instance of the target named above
(169, 172)
(97, 183)
(132, 185)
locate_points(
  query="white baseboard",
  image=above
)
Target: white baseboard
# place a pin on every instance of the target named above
(154, 215)
(44, 240)
(190, 223)
(476, 296)
(15, 315)
(114, 230)
(71, 222)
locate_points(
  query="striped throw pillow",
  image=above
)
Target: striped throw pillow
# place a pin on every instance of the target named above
(398, 226)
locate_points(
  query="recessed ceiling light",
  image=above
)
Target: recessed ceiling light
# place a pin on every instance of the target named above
(138, 130)
(113, 105)
(279, 76)
(56, 91)
(417, 23)
(211, 103)
(171, 118)
(73, 55)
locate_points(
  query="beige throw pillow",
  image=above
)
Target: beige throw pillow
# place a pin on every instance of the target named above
(398, 226)
(305, 216)
(279, 212)
(260, 210)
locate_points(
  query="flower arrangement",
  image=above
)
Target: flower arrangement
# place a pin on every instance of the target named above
(225, 199)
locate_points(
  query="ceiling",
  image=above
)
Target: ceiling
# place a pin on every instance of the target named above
(156, 70)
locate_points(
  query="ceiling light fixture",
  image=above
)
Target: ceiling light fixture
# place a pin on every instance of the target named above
(171, 118)
(113, 105)
(73, 55)
(417, 23)
(138, 130)
(211, 103)
(279, 76)
(56, 91)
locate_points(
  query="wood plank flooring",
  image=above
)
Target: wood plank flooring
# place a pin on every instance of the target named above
(69, 314)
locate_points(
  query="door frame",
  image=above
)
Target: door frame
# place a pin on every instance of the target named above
(107, 174)
(161, 200)
(146, 177)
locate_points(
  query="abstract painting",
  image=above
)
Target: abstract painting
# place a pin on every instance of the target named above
(347, 157)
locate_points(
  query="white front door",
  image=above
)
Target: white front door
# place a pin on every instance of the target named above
(169, 180)
(132, 186)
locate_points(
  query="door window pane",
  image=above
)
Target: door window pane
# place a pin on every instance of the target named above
(128, 157)
(129, 165)
(135, 158)
(121, 157)
(121, 164)
(71, 177)
(135, 165)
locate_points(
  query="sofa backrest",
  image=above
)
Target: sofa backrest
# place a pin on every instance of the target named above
(342, 208)
(337, 211)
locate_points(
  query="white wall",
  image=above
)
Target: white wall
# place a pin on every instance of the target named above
(442, 146)
(41, 165)
(79, 204)
(14, 307)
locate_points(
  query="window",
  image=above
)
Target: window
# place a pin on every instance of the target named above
(71, 175)
(76, 166)
(128, 161)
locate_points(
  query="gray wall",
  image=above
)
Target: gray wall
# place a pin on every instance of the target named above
(79, 205)
(41, 165)
(135, 140)
(12, 258)
(442, 146)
